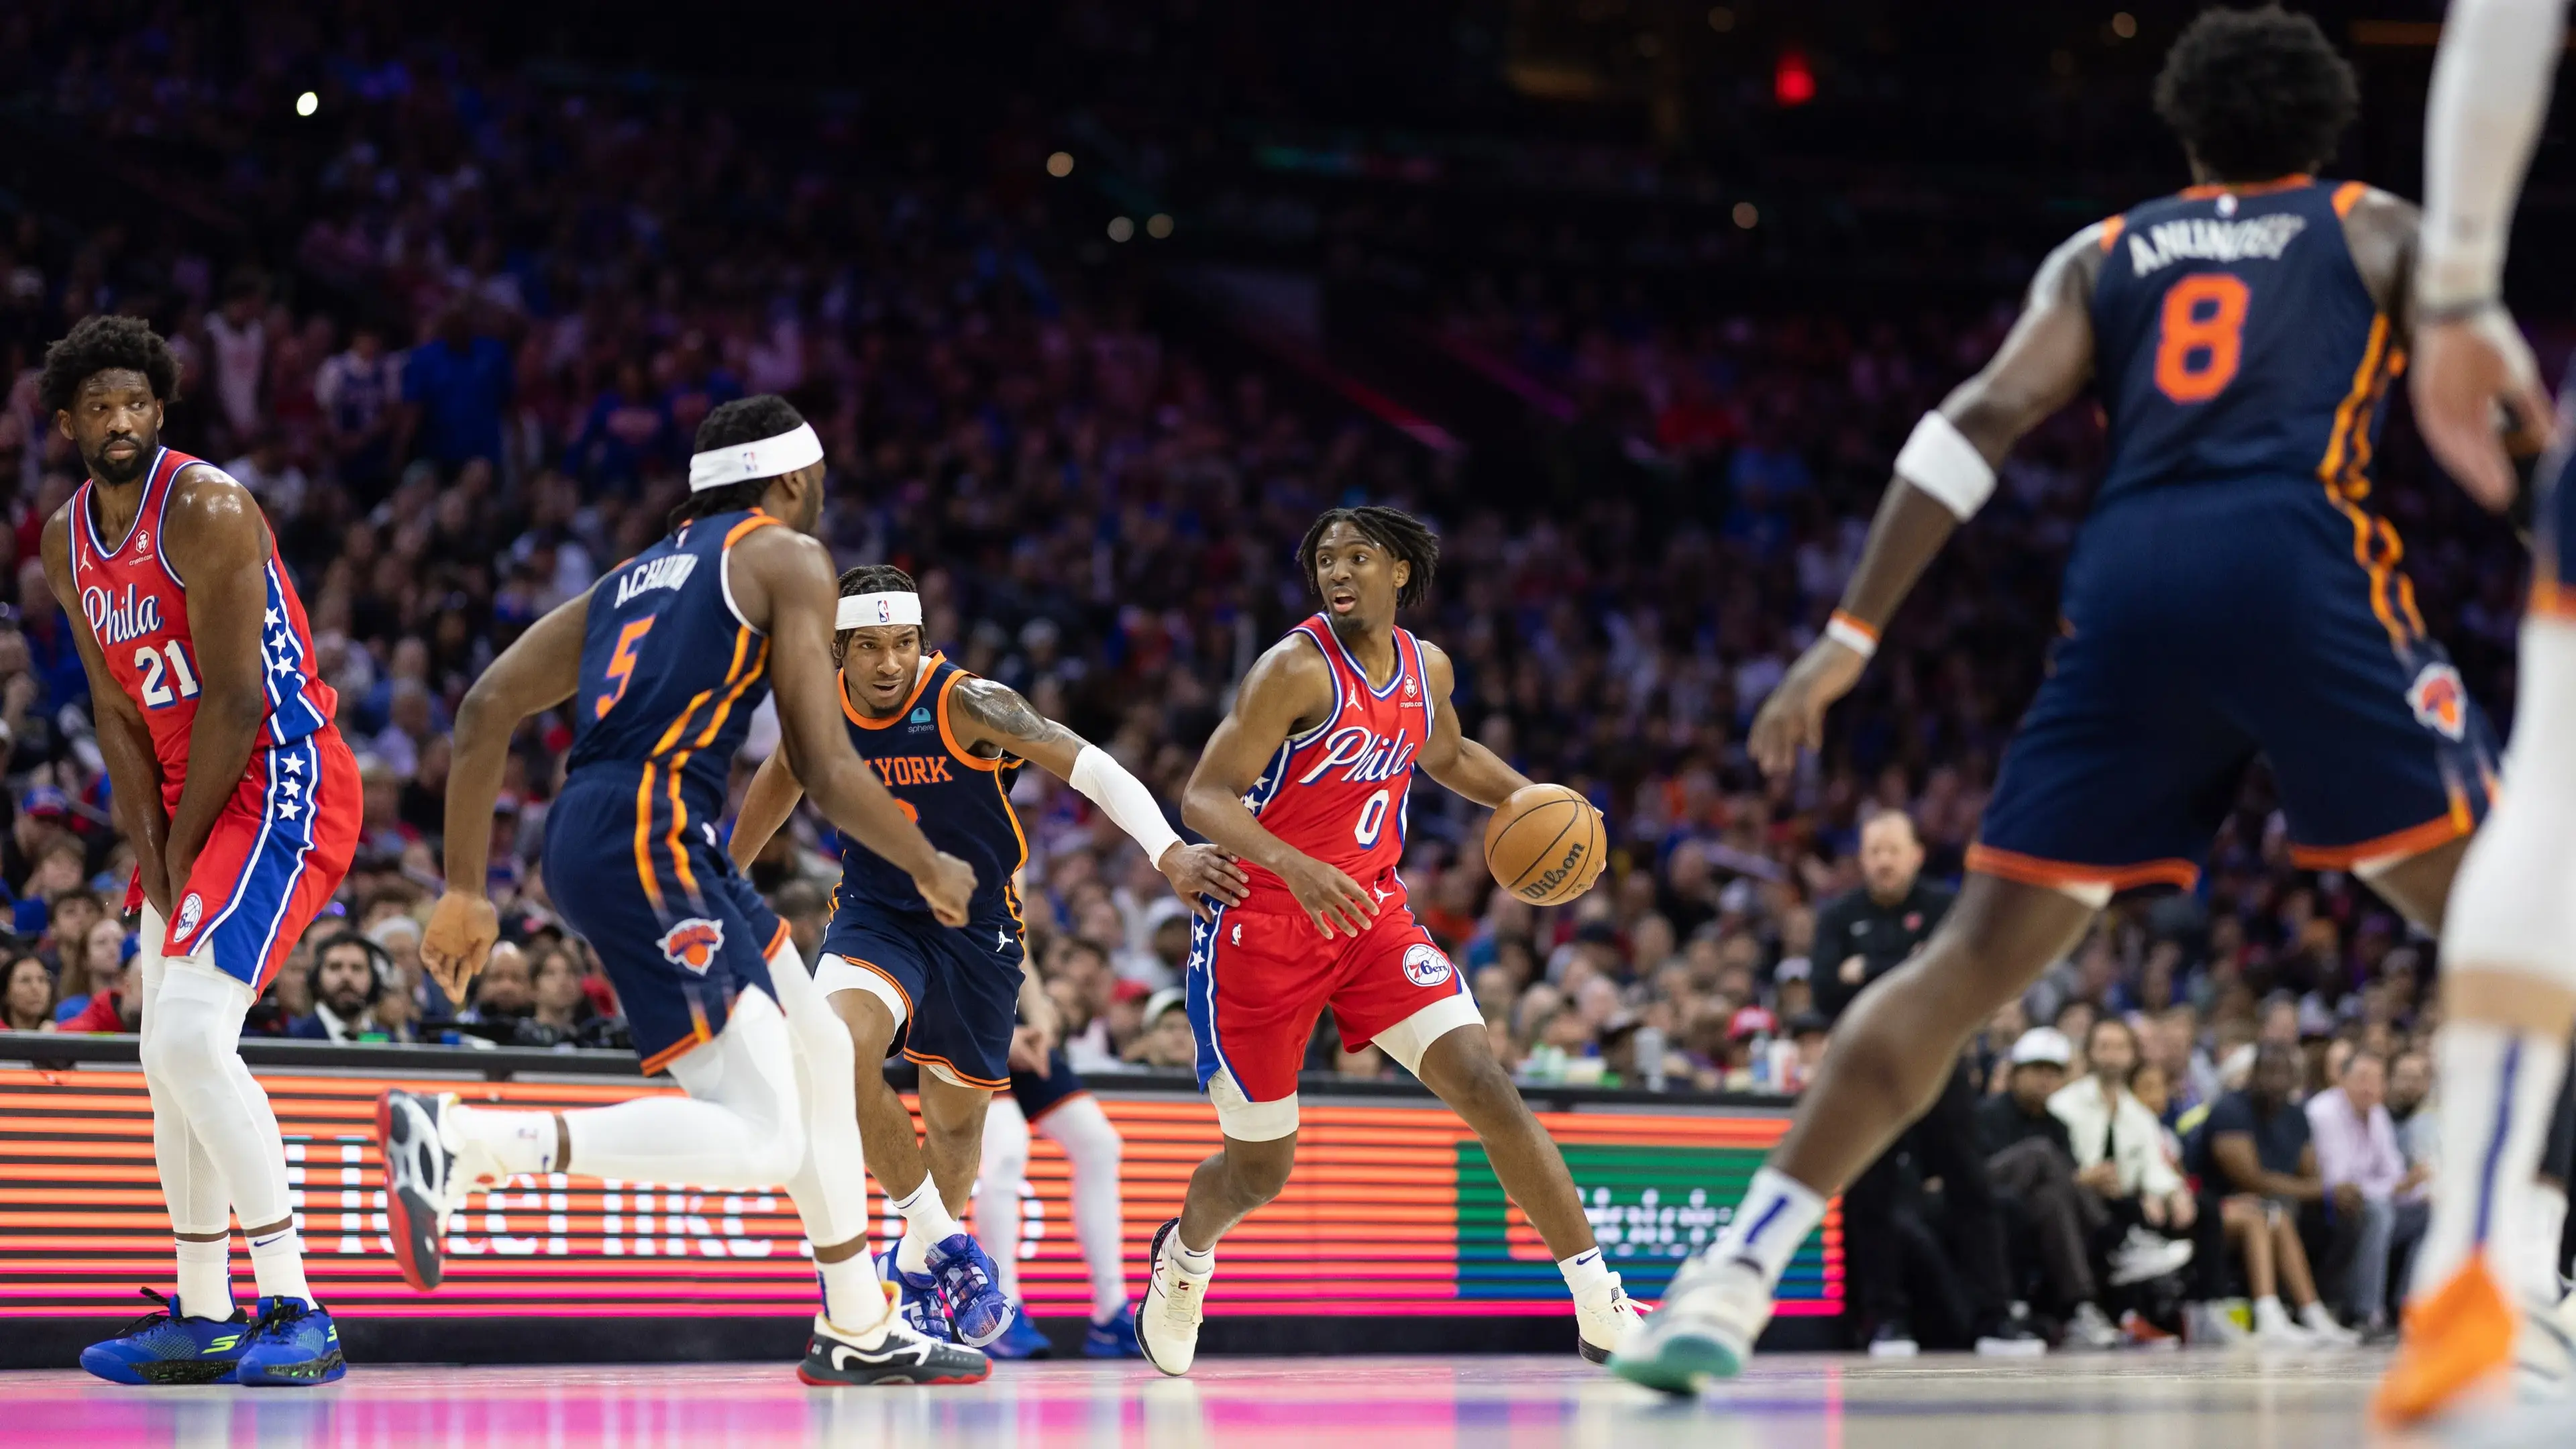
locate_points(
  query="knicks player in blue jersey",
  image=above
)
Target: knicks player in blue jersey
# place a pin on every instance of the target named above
(661, 665)
(2232, 595)
(947, 744)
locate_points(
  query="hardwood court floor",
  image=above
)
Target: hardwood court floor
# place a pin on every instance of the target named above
(2111, 1401)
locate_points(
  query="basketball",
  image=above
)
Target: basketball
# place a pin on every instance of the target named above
(1545, 844)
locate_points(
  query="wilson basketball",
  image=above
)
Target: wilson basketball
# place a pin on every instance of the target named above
(1545, 844)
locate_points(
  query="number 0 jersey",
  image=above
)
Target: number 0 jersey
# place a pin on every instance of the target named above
(137, 607)
(2234, 338)
(1337, 792)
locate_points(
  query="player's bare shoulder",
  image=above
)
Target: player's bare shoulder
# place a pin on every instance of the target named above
(2380, 230)
(761, 558)
(2071, 267)
(1290, 681)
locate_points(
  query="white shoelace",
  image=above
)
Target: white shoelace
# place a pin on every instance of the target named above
(1181, 1298)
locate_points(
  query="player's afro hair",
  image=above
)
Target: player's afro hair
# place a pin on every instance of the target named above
(1394, 530)
(98, 343)
(730, 425)
(2256, 94)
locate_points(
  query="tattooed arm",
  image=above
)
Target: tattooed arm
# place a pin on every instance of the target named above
(986, 715)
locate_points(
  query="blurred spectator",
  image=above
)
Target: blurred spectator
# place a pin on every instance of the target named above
(1872, 931)
(116, 997)
(2358, 1156)
(2032, 1163)
(1166, 1041)
(27, 995)
(2155, 1227)
(2410, 1087)
(349, 978)
(2256, 1148)
(455, 387)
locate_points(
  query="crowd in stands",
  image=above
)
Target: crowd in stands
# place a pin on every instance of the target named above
(467, 320)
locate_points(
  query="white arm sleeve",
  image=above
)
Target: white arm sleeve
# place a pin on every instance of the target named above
(1124, 799)
(2490, 92)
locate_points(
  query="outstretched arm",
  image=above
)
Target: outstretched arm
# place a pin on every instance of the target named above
(217, 542)
(1944, 473)
(783, 582)
(133, 771)
(539, 670)
(766, 806)
(993, 714)
(1288, 685)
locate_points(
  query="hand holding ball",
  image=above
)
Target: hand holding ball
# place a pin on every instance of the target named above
(1546, 845)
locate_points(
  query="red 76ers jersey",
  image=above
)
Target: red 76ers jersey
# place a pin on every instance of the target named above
(1337, 792)
(137, 606)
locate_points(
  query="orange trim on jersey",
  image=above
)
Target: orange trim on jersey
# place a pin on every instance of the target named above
(929, 667)
(2111, 230)
(2344, 472)
(777, 939)
(671, 736)
(2349, 195)
(1853, 621)
(2547, 597)
(680, 727)
(2204, 191)
(724, 706)
(948, 736)
(2054, 874)
(888, 977)
(1049, 1110)
(925, 1059)
(680, 822)
(653, 1065)
(2414, 840)
(757, 519)
(644, 838)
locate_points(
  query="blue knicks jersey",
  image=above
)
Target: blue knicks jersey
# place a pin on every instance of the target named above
(670, 677)
(2235, 338)
(962, 802)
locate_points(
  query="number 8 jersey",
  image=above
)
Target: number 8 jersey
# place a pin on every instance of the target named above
(1337, 791)
(137, 607)
(2234, 338)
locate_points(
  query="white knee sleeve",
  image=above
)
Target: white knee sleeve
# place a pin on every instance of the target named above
(1406, 1041)
(999, 1177)
(740, 1125)
(194, 1053)
(191, 1184)
(830, 1185)
(836, 974)
(2511, 910)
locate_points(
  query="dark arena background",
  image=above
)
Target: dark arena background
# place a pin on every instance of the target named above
(1094, 306)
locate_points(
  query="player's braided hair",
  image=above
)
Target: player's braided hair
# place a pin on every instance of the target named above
(97, 343)
(2256, 94)
(1392, 529)
(729, 425)
(870, 579)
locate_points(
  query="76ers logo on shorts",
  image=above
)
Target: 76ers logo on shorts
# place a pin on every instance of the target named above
(189, 911)
(2439, 701)
(694, 943)
(1425, 966)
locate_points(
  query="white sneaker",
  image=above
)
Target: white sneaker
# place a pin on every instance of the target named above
(1167, 1318)
(1602, 1326)
(1704, 1329)
(2273, 1328)
(2143, 1255)
(2322, 1327)
(2086, 1327)
(2210, 1325)
(2544, 1351)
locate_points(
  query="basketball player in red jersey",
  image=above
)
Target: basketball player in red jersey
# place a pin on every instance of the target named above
(242, 804)
(1305, 782)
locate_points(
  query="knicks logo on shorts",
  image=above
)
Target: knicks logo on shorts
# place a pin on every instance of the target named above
(2439, 701)
(1425, 966)
(694, 943)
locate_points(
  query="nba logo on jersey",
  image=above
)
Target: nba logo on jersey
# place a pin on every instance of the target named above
(1425, 966)
(2439, 700)
(694, 943)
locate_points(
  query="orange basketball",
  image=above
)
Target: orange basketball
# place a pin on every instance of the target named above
(1546, 845)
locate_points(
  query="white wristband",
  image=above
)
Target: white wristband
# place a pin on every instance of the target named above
(1124, 799)
(1940, 460)
(1852, 634)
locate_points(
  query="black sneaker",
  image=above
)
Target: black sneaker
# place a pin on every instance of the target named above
(420, 1183)
(1893, 1339)
(2011, 1338)
(897, 1355)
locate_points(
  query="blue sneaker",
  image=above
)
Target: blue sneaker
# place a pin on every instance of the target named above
(291, 1342)
(917, 1300)
(162, 1347)
(1020, 1340)
(971, 1287)
(1113, 1336)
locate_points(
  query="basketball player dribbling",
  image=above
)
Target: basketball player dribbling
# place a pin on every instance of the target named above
(242, 804)
(2230, 595)
(1305, 783)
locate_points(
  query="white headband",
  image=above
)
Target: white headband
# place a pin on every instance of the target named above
(863, 611)
(745, 462)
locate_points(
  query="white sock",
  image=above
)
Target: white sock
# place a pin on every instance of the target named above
(854, 1297)
(1587, 1274)
(1090, 1141)
(2268, 1313)
(205, 1278)
(2544, 1227)
(1777, 1213)
(2498, 1088)
(277, 1265)
(926, 1220)
(1193, 1261)
(521, 1142)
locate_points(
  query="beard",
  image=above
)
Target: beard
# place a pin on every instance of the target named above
(107, 470)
